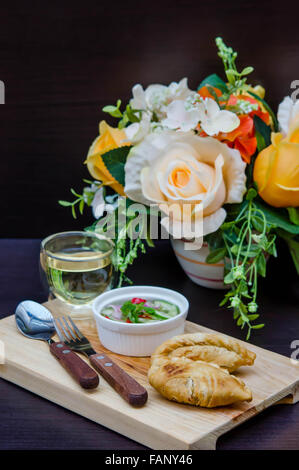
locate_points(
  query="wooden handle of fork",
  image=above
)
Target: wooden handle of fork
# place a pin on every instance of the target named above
(79, 370)
(123, 383)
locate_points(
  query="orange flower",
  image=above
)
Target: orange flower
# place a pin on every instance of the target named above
(204, 92)
(259, 112)
(243, 137)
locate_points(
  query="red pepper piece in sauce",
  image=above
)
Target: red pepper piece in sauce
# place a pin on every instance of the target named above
(136, 300)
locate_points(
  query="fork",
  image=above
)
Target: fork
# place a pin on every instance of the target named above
(123, 383)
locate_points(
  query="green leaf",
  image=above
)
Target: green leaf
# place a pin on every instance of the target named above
(229, 278)
(260, 141)
(258, 327)
(113, 110)
(253, 316)
(215, 81)
(247, 70)
(65, 203)
(262, 129)
(261, 265)
(131, 115)
(215, 240)
(74, 193)
(216, 255)
(277, 218)
(109, 109)
(294, 250)
(117, 113)
(267, 107)
(81, 206)
(123, 122)
(257, 223)
(294, 215)
(74, 212)
(115, 162)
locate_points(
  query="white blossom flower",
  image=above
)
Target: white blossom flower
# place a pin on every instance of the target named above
(180, 90)
(157, 97)
(287, 112)
(178, 117)
(99, 205)
(138, 100)
(213, 120)
(138, 130)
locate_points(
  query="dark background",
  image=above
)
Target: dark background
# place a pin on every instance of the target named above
(62, 61)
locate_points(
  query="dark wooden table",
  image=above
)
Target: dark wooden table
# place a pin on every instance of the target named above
(30, 422)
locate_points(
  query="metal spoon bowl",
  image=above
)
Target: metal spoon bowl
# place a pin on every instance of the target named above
(34, 320)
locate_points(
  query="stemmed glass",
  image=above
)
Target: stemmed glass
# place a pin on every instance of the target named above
(76, 267)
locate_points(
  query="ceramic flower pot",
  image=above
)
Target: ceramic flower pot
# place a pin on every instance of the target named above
(194, 264)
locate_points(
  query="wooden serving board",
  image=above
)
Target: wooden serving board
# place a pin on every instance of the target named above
(160, 424)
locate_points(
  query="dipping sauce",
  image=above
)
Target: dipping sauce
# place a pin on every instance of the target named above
(137, 310)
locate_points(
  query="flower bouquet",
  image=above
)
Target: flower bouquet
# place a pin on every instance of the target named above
(215, 164)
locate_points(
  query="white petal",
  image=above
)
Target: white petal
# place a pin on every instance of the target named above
(155, 96)
(138, 130)
(98, 204)
(212, 108)
(284, 114)
(138, 101)
(212, 222)
(179, 118)
(150, 152)
(179, 230)
(209, 127)
(226, 121)
(132, 130)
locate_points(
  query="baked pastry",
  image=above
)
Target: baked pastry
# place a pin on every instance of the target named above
(196, 382)
(195, 369)
(217, 349)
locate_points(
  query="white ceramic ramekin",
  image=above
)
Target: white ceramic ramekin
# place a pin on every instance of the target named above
(138, 339)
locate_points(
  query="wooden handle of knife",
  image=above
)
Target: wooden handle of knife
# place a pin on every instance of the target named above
(123, 383)
(79, 370)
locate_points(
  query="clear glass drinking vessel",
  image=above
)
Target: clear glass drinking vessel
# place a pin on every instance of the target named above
(76, 267)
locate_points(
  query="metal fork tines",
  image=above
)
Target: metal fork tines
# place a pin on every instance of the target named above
(70, 334)
(120, 380)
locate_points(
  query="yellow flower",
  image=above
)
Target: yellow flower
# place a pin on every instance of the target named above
(258, 90)
(110, 138)
(276, 170)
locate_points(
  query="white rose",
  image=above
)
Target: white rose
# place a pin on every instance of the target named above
(182, 168)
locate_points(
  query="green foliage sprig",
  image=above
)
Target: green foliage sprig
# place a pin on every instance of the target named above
(125, 117)
(81, 199)
(244, 241)
(130, 238)
(236, 80)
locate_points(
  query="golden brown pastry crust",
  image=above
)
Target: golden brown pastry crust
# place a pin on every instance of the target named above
(196, 382)
(217, 349)
(195, 369)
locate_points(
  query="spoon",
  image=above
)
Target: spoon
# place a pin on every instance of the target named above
(36, 322)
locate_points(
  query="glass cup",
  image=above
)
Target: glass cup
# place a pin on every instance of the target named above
(76, 267)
